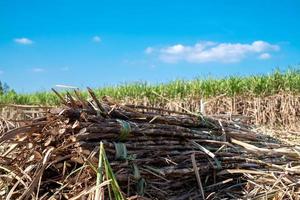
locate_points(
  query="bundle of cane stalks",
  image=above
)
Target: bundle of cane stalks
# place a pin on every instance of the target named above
(101, 149)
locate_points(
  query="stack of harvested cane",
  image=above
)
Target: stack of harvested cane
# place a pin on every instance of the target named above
(103, 150)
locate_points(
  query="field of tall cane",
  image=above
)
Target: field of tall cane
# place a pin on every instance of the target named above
(208, 87)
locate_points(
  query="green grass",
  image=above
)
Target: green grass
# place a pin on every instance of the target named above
(258, 85)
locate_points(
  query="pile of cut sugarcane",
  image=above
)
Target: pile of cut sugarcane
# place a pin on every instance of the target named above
(101, 149)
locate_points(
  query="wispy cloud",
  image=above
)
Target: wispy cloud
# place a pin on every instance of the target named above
(97, 39)
(149, 50)
(208, 51)
(264, 56)
(1, 72)
(66, 86)
(24, 41)
(38, 70)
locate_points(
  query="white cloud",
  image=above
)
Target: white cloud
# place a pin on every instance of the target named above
(264, 56)
(37, 70)
(97, 39)
(176, 49)
(24, 41)
(208, 51)
(149, 50)
(1, 72)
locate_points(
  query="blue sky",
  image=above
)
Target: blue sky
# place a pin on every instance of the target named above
(98, 43)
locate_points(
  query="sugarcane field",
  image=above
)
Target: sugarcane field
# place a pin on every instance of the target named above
(150, 100)
(97, 147)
